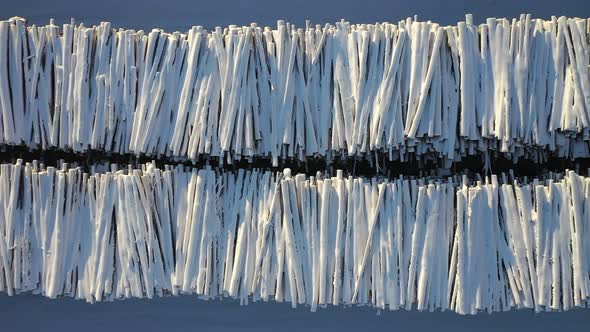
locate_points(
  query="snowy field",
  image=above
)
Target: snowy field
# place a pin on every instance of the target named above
(181, 14)
(186, 313)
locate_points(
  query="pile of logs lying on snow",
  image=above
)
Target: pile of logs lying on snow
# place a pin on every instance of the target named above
(520, 88)
(413, 92)
(458, 243)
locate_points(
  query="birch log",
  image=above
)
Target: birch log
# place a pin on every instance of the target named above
(410, 90)
(468, 245)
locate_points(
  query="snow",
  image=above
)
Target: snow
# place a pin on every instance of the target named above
(31, 313)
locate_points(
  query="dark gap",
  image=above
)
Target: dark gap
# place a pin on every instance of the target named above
(360, 166)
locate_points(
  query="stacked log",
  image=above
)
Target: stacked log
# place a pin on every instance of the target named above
(411, 90)
(458, 243)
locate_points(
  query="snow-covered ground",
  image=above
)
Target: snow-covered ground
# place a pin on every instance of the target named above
(181, 14)
(186, 313)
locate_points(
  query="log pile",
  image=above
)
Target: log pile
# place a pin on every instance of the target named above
(410, 90)
(216, 102)
(461, 244)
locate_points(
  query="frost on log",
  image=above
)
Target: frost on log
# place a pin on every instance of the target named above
(409, 91)
(518, 88)
(492, 244)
